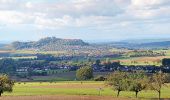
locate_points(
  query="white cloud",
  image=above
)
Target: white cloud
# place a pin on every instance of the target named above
(28, 5)
(53, 23)
(83, 13)
(7, 1)
(58, 14)
(149, 9)
(143, 3)
(13, 17)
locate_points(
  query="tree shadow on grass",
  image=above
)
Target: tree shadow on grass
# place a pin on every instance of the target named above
(153, 98)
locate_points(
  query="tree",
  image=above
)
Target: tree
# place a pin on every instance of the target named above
(157, 81)
(8, 66)
(5, 84)
(98, 62)
(138, 82)
(84, 73)
(166, 62)
(119, 81)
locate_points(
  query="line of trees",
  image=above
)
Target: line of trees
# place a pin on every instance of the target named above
(136, 81)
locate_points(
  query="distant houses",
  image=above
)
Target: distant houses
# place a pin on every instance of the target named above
(43, 69)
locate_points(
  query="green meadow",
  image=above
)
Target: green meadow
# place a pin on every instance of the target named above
(78, 88)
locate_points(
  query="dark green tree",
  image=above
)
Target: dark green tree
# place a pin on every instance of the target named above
(5, 84)
(98, 62)
(84, 73)
(8, 66)
(166, 62)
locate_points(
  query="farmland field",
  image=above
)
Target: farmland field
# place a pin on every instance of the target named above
(143, 60)
(75, 88)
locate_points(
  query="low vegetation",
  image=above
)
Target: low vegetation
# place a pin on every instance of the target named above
(89, 88)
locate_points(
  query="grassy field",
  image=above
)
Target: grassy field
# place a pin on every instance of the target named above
(140, 60)
(89, 88)
(143, 60)
(61, 97)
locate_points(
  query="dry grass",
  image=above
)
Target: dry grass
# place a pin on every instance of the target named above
(6, 51)
(143, 60)
(146, 58)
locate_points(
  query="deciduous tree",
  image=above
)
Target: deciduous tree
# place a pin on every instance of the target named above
(118, 80)
(5, 84)
(84, 73)
(157, 81)
(138, 82)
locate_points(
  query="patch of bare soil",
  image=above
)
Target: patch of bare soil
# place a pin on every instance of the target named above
(61, 97)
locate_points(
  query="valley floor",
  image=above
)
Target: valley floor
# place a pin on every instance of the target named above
(74, 90)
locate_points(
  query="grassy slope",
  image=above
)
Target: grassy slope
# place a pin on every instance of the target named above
(125, 60)
(76, 88)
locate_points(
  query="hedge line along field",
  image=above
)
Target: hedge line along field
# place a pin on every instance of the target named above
(88, 88)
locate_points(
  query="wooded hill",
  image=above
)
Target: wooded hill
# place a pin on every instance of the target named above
(58, 44)
(49, 43)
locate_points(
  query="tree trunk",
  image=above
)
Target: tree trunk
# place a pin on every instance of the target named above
(159, 94)
(136, 93)
(118, 93)
(0, 93)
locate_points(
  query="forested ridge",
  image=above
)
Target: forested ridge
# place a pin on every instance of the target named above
(49, 44)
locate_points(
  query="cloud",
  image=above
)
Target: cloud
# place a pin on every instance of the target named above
(149, 9)
(150, 3)
(58, 14)
(94, 14)
(13, 17)
(53, 23)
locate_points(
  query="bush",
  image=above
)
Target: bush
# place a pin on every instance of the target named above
(99, 78)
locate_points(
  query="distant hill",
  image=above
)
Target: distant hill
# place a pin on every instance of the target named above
(49, 43)
(2, 46)
(142, 45)
(140, 41)
(58, 44)
(155, 45)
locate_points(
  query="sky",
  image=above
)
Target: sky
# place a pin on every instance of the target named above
(91, 20)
